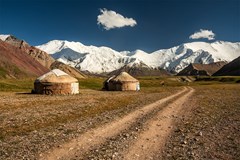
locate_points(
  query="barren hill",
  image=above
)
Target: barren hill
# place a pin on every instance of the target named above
(201, 69)
(69, 70)
(15, 63)
(230, 69)
(37, 54)
(45, 60)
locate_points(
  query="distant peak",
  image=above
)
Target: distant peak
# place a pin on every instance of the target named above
(139, 50)
(219, 42)
(64, 42)
(3, 37)
(197, 42)
(56, 41)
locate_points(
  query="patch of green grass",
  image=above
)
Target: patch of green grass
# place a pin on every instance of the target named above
(218, 78)
(208, 80)
(159, 81)
(3, 72)
(146, 83)
(16, 85)
(12, 71)
(91, 83)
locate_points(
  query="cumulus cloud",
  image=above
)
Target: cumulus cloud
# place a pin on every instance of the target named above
(203, 34)
(110, 19)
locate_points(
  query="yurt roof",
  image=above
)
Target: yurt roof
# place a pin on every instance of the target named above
(56, 76)
(124, 77)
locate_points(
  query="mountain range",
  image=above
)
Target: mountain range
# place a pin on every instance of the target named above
(105, 60)
(73, 57)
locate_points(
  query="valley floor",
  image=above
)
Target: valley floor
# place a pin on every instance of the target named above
(198, 122)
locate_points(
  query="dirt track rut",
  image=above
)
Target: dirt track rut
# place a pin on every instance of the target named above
(159, 127)
(152, 139)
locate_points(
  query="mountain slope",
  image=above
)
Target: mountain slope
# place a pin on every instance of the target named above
(40, 56)
(201, 69)
(140, 69)
(69, 70)
(15, 63)
(230, 69)
(104, 59)
(37, 54)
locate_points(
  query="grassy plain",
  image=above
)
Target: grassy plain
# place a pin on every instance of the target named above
(31, 124)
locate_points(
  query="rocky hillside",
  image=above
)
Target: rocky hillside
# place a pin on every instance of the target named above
(230, 69)
(69, 70)
(37, 54)
(201, 69)
(15, 63)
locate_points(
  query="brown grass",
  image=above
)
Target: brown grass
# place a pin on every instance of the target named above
(215, 114)
(31, 124)
(39, 122)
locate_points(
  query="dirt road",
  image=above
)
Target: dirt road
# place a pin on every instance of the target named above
(159, 128)
(122, 125)
(137, 135)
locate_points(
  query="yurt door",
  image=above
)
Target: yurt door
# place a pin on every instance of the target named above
(74, 88)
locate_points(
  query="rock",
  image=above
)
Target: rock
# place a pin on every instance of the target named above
(127, 135)
(199, 133)
(178, 130)
(136, 155)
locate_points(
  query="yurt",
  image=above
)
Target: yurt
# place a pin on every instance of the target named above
(56, 82)
(122, 82)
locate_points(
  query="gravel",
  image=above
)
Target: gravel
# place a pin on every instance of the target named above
(211, 129)
(32, 124)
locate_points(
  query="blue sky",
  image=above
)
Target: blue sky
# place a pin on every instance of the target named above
(159, 23)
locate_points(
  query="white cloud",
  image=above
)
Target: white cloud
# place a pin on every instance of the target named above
(110, 19)
(203, 34)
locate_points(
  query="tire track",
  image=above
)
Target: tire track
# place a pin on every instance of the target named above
(97, 136)
(153, 140)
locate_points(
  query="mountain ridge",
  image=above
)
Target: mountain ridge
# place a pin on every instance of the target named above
(194, 69)
(28, 60)
(230, 69)
(37, 54)
(105, 60)
(15, 63)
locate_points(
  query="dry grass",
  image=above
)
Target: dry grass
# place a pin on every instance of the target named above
(34, 123)
(31, 124)
(16, 85)
(215, 115)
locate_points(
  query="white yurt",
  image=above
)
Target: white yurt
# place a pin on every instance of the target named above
(122, 82)
(56, 82)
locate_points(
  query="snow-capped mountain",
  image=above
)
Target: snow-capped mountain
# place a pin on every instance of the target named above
(103, 59)
(3, 37)
(86, 58)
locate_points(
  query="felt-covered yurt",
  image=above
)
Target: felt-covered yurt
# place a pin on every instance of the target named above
(122, 82)
(56, 82)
